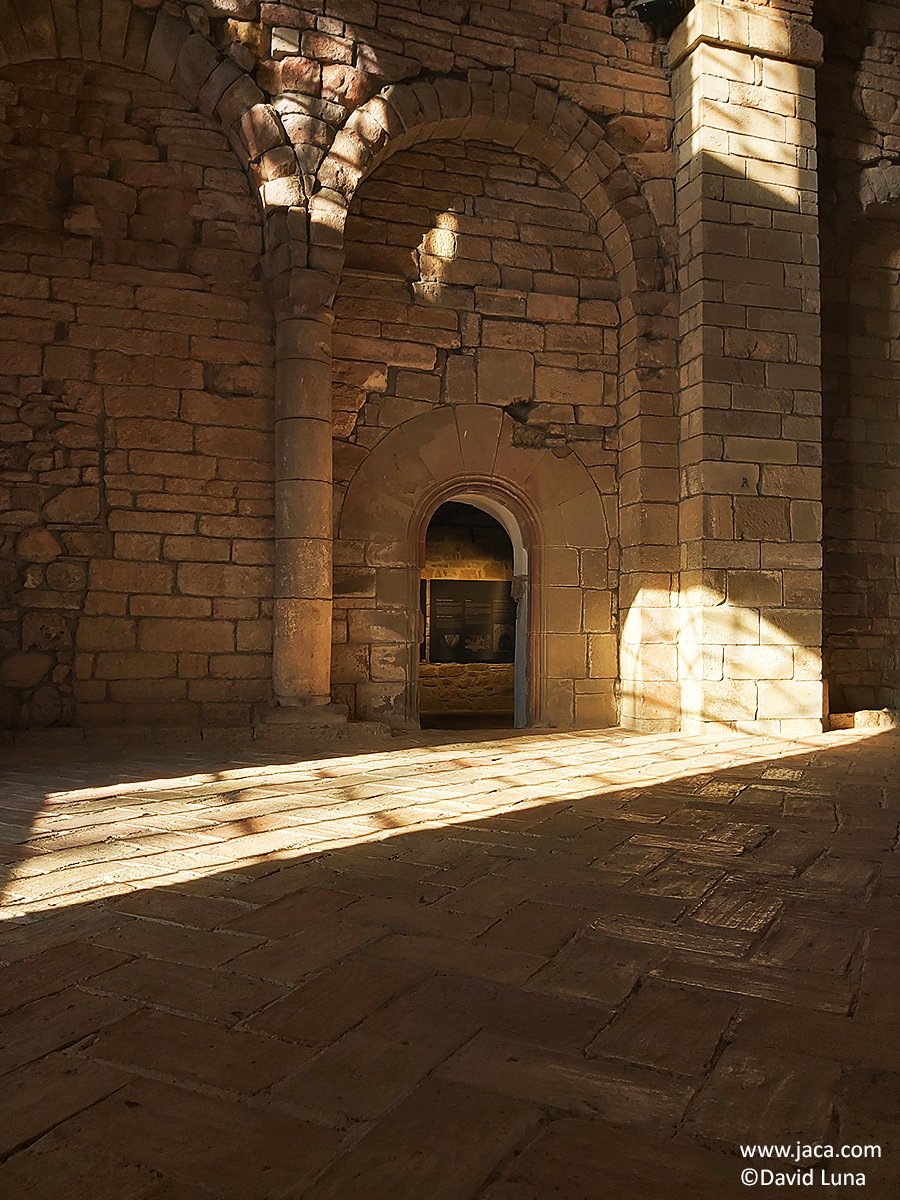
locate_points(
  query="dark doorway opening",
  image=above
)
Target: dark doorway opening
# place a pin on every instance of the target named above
(468, 650)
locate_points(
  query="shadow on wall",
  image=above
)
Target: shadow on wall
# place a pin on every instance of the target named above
(733, 638)
(435, 1009)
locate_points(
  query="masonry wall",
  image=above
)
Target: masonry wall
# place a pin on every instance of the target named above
(858, 104)
(135, 414)
(472, 278)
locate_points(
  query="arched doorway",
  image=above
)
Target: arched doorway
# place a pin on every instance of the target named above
(473, 617)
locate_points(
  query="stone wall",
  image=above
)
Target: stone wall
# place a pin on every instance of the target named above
(470, 217)
(136, 408)
(859, 102)
(472, 276)
(473, 279)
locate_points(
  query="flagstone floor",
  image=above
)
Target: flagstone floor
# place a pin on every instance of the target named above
(484, 966)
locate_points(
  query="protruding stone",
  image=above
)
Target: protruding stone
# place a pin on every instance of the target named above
(75, 505)
(25, 670)
(38, 545)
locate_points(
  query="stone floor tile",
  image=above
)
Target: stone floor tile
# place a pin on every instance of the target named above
(668, 1028)
(54, 1023)
(51, 971)
(195, 1139)
(291, 913)
(322, 1010)
(440, 1143)
(215, 995)
(194, 1052)
(848, 874)
(859, 1040)
(569, 1082)
(808, 945)
(175, 943)
(822, 993)
(199, 912)
(420, 918)
(75, 1173)
(362, 1076)
(38, 1096)
(681, 880)
(756, 1095)
(473, 866)
(289, 959)
(602, 970)
(446, 954)
(730, 906)
(490, 895)
(171, 1190)
(674, 937)
(588, 1159)
(786, 853)
(534, 928)
(460, 1003)
(632, 859)
(387, 887)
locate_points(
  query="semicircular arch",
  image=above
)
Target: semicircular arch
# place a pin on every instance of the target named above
(467, 453)
(526, 118)
(157, 43)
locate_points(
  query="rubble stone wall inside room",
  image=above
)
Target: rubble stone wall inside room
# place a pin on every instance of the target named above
(859, 145)
(135, 414)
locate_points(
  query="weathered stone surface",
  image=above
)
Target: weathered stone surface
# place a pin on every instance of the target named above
(77, 505)
(46, 705)
(38, 545)
(25, 670)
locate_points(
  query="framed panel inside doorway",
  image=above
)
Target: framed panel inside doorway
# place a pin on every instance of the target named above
(471, 621)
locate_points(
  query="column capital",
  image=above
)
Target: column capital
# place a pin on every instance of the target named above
(740, 26)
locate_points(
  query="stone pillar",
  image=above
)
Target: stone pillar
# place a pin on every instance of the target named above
(303, 510)
(750, 511)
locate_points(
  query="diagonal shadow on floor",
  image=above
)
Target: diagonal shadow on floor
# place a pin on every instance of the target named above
(584, 967)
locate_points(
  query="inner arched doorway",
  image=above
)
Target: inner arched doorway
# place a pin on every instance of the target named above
(473, 617)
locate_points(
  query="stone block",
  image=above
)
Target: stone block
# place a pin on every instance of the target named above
(790, 698)
(562, 610)
(378, 625)
(566, 656)
(458, 381)
(389, 662)
(38, 545)
(194, 636)
(754, 589)
(134, 578)
(25, 670)
(762, 519)
(597, 615)
(224, 579)
(105, 633)
(504, 376)
(791, 626)
(561, 566)
(603, 656)
(759, 662)
(74, 505)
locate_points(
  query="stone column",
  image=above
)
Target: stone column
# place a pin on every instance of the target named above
(750, 511)
(303, 510)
